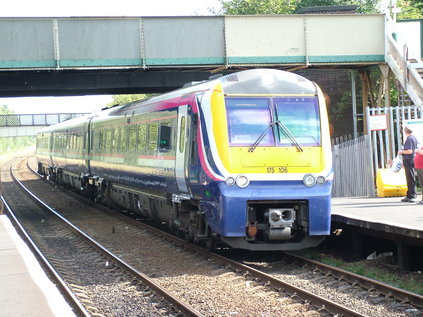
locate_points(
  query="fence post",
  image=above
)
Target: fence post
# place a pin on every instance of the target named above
(370, 154)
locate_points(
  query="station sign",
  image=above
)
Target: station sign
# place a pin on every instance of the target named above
(378, 122)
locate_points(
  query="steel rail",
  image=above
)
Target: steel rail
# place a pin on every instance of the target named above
(317, 301)
(400, 294)
(388, 290)
(179, 305)
(65, 290)
(385, 289)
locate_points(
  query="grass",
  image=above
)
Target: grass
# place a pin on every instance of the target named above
(412, 282)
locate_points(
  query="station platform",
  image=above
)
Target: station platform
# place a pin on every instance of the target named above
(381, 214)
(25, 290)
(383, 218)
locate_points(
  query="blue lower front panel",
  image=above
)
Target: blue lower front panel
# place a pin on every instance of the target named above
(229, 216)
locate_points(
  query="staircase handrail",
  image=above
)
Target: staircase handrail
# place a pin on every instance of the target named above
(405, 71)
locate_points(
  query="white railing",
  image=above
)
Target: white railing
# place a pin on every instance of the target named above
(38, 119)
(396, 55)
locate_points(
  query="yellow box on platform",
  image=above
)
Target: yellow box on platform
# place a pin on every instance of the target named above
(390, 184)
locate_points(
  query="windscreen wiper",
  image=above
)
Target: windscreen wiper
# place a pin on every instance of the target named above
(260, 138)
(285, 130)
(282, 127)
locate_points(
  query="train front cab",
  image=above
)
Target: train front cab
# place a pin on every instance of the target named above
(274, 151)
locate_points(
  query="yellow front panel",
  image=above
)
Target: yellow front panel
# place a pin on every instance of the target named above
(274, 159)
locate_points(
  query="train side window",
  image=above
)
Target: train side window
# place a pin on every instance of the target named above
(142, 136)
(115, 134)
(78, 141)
(153, 135)
(182, 135)
(133, 138)
(116, 139)
(165, 138)
(100, 139)
(108, 139)
(91, 145)
(123, 138)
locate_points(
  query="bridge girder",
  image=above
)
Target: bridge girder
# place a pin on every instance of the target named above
(94, 82)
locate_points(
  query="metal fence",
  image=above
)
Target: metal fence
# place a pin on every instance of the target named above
(352, 168)
(386, 143)
(22, 120)
(356, 161)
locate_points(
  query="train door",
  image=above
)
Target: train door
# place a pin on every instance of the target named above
(181, 149)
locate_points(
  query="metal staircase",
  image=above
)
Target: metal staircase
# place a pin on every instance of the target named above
(407, 68)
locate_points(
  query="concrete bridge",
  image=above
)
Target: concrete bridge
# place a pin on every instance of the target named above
(73, 56)
(12, 125)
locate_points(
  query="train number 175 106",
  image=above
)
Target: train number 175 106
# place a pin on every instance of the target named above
(280, 169)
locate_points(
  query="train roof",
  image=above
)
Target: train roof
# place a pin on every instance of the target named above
(248, 82)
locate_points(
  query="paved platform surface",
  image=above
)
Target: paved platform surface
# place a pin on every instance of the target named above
(386, 214)
(25, 290)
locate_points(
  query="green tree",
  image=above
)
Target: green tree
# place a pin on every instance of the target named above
(410, 9)
(125, 99)
(251, 7)
(13, 144)
(244, 7)
(365, 6)
(4, 109)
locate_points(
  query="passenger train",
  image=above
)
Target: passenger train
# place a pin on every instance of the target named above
(243, 159)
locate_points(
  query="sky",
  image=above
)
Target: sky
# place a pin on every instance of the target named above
(55, 8)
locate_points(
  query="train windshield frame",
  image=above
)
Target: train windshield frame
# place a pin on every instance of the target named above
(249, 117)
(302, 118)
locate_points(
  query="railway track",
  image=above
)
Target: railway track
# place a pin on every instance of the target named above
(88, 273)
(212, 284)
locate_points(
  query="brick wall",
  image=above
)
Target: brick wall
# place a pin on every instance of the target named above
(336, 83)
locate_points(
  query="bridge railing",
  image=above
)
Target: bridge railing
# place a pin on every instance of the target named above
(25, 120)
(397, 57)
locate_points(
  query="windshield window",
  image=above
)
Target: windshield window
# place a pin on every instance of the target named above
(248, 118)
(301, 117)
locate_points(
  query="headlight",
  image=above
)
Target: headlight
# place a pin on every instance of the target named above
(230, 181)
(309, 180)
(320, 180)
(242, 181)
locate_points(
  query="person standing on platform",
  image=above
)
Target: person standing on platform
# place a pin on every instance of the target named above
(418, 165)
(407, 153)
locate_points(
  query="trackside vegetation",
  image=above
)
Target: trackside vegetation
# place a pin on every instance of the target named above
(13, 144)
